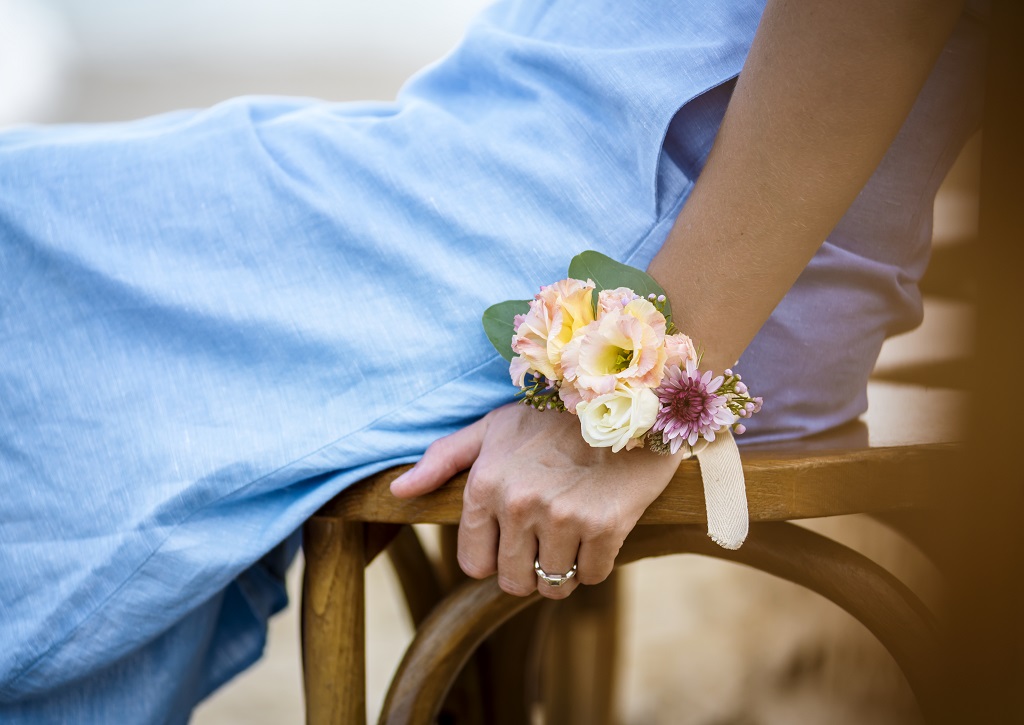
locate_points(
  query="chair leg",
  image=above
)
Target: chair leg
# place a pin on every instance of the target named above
(421, 585)
(333, 622)
(580, 643)
(496, 675)
(415, 573)
(509, 670)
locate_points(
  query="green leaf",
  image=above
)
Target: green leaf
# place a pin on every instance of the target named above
(500, 326)
(609, 274)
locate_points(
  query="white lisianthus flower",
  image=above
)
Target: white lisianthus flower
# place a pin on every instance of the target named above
(618, 419)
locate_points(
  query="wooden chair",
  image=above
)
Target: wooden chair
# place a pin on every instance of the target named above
(898, 473)
(887, 469)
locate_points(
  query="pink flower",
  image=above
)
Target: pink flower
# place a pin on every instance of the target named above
(680, 349)
(556, 314)
(623, 347)
(614, 299)
(570, 397)
(689, 407)
(517, 369)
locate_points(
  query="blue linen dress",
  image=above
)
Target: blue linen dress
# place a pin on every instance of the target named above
(212, 322)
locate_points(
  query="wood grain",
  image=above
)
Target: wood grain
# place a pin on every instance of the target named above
(333, 618)
(781, 486)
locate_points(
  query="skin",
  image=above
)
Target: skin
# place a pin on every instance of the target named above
(824, 91)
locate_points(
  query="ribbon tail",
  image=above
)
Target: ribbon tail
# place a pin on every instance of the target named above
(725, 491)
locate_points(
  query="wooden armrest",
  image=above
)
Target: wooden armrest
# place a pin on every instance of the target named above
(780, 486)
(886, 465)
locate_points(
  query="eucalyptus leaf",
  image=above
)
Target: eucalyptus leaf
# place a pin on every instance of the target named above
(499, 324)
(609, 274)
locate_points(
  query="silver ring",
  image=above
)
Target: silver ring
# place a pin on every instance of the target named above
(555, 580)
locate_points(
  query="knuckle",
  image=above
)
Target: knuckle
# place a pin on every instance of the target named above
(437, 449)
(510, 586)
(601, 525)
(562, 514)
(474, 569)
(477, 495)
(473, 509)
(438, 456)
(593, 577)
(482, 483)
(519, 504)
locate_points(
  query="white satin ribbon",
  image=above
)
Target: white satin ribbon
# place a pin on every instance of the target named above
(725, 492)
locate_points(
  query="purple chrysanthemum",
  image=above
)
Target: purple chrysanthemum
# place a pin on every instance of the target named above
(689, 407)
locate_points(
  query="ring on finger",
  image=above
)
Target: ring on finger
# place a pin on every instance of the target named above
(555, 580)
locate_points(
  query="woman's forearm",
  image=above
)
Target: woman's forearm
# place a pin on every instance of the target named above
(823, 93)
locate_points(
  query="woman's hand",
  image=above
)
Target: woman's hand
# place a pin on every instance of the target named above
(536, 489)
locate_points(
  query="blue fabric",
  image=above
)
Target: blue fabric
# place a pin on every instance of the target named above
(211, 322)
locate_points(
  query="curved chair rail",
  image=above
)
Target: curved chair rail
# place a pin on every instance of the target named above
(874, 597)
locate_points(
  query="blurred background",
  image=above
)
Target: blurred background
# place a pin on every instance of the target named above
(100, 60)
(703, 642)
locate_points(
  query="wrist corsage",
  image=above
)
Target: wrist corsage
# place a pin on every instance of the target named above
(602, 345)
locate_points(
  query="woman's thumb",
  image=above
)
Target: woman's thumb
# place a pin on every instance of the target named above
(443, 459)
